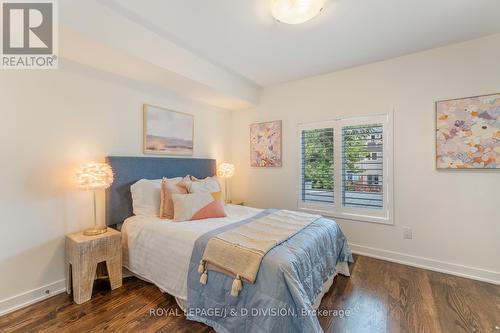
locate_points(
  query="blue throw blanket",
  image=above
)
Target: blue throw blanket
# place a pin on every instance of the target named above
(291, 275)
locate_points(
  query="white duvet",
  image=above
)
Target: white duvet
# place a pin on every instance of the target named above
(160, 250)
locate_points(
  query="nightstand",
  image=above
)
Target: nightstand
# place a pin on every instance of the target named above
(83, 253)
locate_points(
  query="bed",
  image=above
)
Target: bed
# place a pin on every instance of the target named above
(293, 278)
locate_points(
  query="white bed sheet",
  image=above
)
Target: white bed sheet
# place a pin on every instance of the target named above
(159, 250)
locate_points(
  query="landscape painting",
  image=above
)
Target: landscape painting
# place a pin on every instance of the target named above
(468, 133)
(167, 132)
(265, 144)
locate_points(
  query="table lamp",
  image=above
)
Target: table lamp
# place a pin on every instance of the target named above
(225, 171)
(93, 177)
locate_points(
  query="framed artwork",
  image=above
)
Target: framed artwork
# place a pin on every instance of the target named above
(167, 132)
(468, 133)
(265, 145)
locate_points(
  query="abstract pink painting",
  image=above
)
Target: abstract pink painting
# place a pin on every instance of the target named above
(468, 133)
(265, 144)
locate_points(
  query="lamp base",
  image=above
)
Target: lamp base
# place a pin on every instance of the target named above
(95, 231)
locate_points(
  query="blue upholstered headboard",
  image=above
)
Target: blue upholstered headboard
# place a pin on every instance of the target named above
(128, 170)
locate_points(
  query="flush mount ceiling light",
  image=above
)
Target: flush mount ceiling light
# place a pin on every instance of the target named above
(296, 11)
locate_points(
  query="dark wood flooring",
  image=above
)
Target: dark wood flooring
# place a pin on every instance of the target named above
(379, 297)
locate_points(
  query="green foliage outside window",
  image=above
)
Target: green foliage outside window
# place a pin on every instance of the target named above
(318, 156)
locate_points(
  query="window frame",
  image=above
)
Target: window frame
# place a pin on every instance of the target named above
(384, 215)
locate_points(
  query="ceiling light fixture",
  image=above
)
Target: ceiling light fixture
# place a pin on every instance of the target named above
(296, 11)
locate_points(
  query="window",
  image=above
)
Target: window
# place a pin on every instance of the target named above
(372, 180)
(372, 156)
(317, 165)
(346, 168)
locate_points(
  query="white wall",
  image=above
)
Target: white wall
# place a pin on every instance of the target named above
(455, 216)
(50, 122)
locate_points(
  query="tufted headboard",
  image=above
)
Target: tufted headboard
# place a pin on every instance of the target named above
(128, 170)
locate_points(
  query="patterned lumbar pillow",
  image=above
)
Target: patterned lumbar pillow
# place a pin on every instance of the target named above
(197, 206)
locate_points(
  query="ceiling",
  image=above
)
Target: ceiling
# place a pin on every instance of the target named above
(243, 38)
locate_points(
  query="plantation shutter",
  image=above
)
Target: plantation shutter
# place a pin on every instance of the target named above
(363, 166)
(317, 163)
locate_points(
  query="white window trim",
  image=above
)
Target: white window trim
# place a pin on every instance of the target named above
(383, 216)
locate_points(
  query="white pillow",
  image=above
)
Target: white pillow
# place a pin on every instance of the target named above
(207, 185)
(146, 195)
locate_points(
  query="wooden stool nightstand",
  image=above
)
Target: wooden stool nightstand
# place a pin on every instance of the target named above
(83, 253)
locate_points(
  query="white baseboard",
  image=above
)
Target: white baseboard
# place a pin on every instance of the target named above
(430, 264)
(36, 295)
(32, 296)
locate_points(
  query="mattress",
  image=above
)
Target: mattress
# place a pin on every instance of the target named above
(159, 250)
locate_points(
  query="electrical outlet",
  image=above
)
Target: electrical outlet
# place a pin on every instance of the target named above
(407, 233)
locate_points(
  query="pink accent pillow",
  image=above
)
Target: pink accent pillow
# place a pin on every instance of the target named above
(215, 209)
(198, 206)
(169, 187)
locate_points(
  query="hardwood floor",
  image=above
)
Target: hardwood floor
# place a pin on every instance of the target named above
(378, 297)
